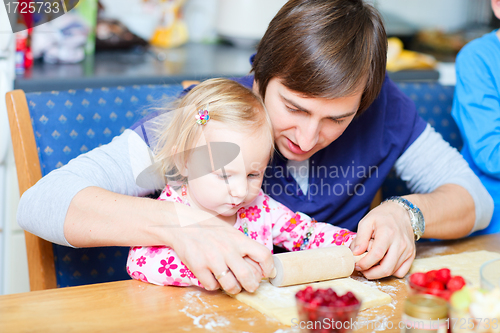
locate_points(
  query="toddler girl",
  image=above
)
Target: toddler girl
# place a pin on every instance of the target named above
(216, 149)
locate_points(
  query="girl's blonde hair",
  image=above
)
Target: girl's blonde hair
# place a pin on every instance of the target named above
(226, 101)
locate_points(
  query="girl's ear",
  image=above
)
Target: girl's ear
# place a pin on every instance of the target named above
(183, 171)
(179, 160)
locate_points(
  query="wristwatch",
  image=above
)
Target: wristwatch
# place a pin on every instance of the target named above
(416, 217)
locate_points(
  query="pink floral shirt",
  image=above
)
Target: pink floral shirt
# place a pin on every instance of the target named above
(267, 221)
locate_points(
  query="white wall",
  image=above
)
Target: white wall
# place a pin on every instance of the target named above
(15, 276)
(447, 15)
(13, 263)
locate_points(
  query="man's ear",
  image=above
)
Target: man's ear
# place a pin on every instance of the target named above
(255, 88)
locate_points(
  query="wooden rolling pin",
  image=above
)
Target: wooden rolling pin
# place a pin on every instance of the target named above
(313, 265)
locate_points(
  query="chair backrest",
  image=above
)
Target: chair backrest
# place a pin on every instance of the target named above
(48, 130)
(433, 102)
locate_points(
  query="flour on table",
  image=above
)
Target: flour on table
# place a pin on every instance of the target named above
(465, 264)
(279, 302)
(391, 290)
(208, 321)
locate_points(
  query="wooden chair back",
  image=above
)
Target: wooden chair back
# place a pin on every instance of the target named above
(40, 254)
(50, 128)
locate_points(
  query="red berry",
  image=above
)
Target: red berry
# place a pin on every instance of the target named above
(455, 283)
(338, 303)
(431, 275)
(351, 296)
(418, 279)
(316, 301)
(435, 285)
(443, 275)
(325, 297)
(446, 294)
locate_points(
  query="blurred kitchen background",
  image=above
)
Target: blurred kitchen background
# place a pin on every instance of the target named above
(125, 42)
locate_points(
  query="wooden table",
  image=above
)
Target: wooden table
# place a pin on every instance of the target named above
(130, 306)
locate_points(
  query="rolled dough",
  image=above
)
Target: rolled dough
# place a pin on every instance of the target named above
(465, 264)
(279, 302)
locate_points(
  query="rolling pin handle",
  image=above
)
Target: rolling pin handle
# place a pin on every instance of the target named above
(273, 273)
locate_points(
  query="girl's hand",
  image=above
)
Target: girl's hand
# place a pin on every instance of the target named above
(387, 234)
(210, 247)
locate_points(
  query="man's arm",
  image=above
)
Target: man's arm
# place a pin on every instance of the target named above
(92, 202)
(455, 204)
(429, 164)
(43, 208)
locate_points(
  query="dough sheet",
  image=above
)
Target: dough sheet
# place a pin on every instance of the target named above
(279, 302)
(465, 264)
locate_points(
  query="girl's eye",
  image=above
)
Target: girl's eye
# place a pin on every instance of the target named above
(254, 175)
(223, 176)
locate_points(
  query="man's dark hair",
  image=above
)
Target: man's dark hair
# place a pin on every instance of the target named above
(324, 48)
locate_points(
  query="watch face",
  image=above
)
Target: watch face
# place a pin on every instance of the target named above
(416, 217)
(419, 223)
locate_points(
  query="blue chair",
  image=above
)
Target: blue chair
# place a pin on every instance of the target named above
(48, 130)
(433, 102)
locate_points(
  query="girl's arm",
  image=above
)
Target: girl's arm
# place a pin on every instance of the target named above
(298, 231)
(159, 265)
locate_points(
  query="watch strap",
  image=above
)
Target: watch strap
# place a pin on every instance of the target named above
(416, 217)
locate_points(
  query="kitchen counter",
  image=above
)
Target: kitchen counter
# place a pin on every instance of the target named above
(132, 305)
(149, 66)
(140, 66)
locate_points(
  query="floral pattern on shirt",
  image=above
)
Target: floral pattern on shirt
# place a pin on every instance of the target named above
(268, 222)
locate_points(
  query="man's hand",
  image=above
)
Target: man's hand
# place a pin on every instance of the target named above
(212, 247)
(386, 233)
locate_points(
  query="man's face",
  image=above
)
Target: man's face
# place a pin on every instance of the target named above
(302, 125)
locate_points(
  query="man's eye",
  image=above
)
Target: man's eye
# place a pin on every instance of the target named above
(338, 121)
(292, 109)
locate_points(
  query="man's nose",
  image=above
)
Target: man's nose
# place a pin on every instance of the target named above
(308, 135)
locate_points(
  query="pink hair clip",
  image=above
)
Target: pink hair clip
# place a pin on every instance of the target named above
(202, 117)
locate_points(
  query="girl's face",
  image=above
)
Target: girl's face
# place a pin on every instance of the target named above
(224, 192)
(302, 126)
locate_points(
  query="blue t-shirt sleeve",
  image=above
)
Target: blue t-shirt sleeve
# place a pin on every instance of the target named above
(476, 104)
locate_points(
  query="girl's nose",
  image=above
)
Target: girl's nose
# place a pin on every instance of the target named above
(238, 189)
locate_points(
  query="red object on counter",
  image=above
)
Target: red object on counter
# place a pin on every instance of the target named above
(435, 282)
(324, 311)
(24, 54)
